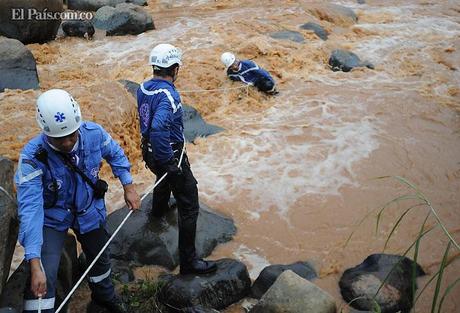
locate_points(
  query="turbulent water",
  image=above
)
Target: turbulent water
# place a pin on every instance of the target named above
(297, 171)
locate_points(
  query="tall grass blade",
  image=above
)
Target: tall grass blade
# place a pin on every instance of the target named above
(448, 290)
(398, 222)
(442, 266)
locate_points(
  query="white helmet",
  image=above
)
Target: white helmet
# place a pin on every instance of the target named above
(228, 59)
(164, 55)
(58, 114)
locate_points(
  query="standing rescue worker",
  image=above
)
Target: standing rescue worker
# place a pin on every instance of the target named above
(163, 150)
(249, 73)
(58, 188)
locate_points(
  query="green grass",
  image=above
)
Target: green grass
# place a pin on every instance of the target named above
(422, 203)
(142, 296)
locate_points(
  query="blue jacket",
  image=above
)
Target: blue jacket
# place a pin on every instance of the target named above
(249, 72)
(160, 114)
(73, 204)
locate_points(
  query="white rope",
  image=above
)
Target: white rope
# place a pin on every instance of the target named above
(39, 304)
(212, 90)
(103, 248)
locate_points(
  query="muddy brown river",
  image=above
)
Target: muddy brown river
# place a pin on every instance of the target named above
(297, 171)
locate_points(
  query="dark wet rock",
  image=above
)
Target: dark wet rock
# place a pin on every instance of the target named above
(137, 2)
(198, 309)
(94, 5)
(288, 35)
(16, 24)
(365, 279)
(269, 275)
(91, 5)
(7, 310)
(122, 271)
(78, 29)
(194, 125)
(317, 29)
(13, 294)
(8, 219)
(18, 69)
(361, 1)
(124, 19)
(229, 284)
(342, 60)
(154, 241)
(291, 293)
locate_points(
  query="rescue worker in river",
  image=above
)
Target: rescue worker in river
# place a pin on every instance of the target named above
(58, 188)
(248, 72)
(163, 150)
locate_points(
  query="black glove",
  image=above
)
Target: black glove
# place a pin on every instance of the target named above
(175, 174)
(172, 167)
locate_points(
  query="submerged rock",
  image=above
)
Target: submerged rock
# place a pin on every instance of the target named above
(194, 125)
(94, 5)
(334, 13)
(342, 60)
(288, 35)
(8, 219)
(365, 279)
(24, 20)
(78, 28)
(292, 294)
(124, 19)
(154, 241)
(13, 294)
(18, 69)
(229, 284)
(269, 275)
(317, 29)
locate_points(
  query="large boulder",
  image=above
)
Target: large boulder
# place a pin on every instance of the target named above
(293, 294)
(269, 275)
(194, 125)
(288, 35)
(342, 60)
(229, 284)
(8, 219)
(13, 294)
(94, 5)
(317, 29)
(18, 69)
(23, 20)
(154, 241)
(78, 29)
(363, 281)
(124, 19)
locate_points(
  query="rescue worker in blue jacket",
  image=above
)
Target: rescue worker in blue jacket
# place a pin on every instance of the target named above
(163, 149)
(53, 197)
(249, 73)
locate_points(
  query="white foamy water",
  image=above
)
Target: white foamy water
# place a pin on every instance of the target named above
(251, 258)
(295, 148)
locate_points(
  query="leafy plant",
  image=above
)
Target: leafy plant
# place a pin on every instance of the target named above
(422, 202)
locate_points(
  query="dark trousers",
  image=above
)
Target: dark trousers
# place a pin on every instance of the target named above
(99, 279)
(185, 192)
(265, 84)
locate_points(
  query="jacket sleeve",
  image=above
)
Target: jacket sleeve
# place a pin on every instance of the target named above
(28, 180)
(233, 75)
(160, 130)
(115, 156)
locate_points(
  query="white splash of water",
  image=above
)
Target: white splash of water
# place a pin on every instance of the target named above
(250, 257)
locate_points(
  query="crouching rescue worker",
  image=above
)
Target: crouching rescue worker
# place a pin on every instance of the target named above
(163, 149)
(249, 73)
(58, 188)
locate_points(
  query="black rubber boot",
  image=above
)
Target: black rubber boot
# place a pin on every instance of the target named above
(116, 305)
(198, 266)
